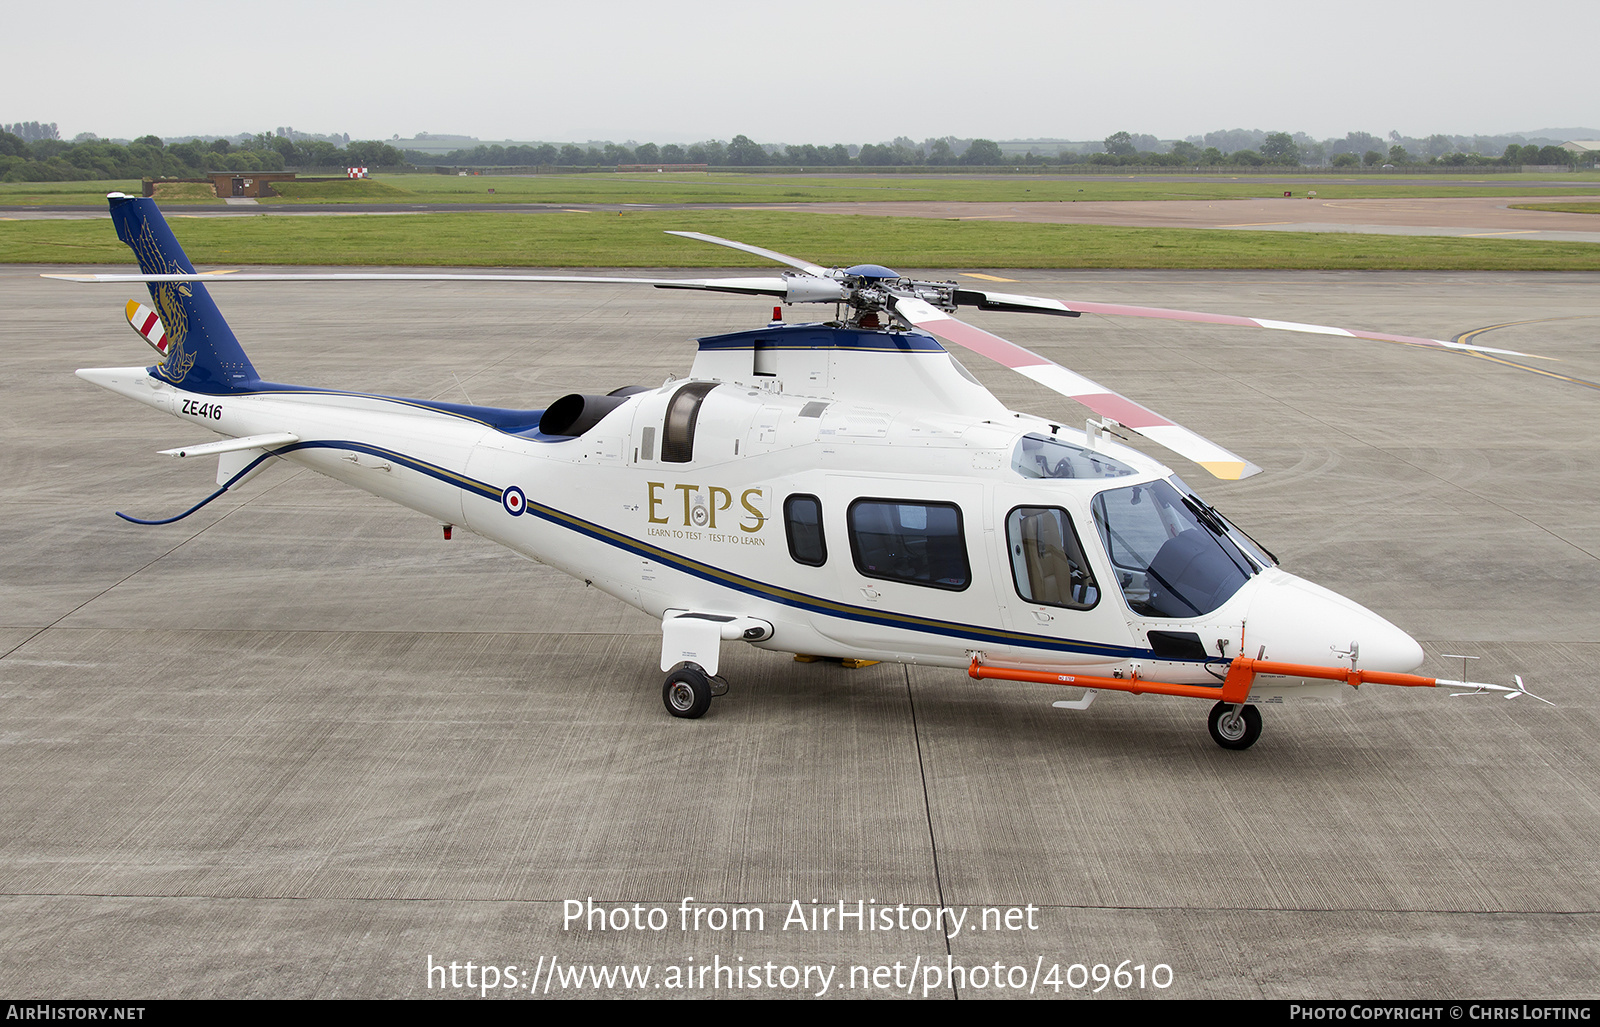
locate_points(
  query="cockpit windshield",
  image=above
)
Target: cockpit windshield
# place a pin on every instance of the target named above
(1043, 456)
(1172, 554)
(1259, 554)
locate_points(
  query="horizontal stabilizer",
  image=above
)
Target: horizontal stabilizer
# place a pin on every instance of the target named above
(282, 438)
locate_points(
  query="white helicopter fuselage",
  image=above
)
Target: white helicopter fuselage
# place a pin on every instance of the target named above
(690, 511)
(842, 490)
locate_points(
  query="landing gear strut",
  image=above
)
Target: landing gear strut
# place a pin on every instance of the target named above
(1234, 727)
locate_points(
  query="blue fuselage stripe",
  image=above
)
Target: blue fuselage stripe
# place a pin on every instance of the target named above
(727, 579)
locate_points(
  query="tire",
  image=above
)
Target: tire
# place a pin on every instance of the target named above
(687, 693)
(1233, 732)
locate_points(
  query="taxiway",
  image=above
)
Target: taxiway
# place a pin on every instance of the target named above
(298, 745)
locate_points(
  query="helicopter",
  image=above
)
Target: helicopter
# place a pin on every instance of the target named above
(842, 489)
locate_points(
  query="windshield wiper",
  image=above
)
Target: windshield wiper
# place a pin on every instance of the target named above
(1208, 513)
(1214, 523)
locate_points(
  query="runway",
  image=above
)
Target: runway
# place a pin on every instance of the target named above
(1468, 216)
(299, 746)
(1473, 217)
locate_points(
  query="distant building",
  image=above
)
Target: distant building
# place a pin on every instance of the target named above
(247, 183)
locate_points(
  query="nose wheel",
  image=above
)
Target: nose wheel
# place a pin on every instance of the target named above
(689, 689)
(1234, 726)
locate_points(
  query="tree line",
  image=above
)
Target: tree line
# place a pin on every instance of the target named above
(30, 131)
(41, 155)
(1234, 148)
(1357, 149)
(742, 151)
(51, 159)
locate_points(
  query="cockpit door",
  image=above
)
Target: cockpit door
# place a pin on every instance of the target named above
(1050, 581)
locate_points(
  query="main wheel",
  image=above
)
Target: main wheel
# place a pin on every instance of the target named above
(687, 692)
(1234, 730)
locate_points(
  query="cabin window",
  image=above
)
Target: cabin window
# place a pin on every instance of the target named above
(1047, 561)
(802, 520)
(677, 435)
(905, 540)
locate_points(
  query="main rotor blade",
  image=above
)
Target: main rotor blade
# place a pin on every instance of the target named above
(983, 299)
(1161, 313)
(773, 255)
(748, 286)
(1112, 405)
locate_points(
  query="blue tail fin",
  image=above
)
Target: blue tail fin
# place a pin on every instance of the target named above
(202, 354)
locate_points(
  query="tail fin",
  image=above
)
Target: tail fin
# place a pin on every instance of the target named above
(202, 353)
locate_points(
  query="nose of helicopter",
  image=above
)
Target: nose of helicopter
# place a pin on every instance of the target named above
(1301, 622)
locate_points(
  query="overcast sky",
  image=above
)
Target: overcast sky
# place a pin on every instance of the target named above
(792, 72)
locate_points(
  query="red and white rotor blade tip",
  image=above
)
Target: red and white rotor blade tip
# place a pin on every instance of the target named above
(1110, 405)
(1161, 313)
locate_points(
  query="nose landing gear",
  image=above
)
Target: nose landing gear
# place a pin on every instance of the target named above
(1234, 726)
(689, 689)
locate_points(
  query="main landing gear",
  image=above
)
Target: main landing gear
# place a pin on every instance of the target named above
(1234, 726)
(689, 689)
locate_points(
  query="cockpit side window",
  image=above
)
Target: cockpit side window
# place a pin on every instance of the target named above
(1047, 561)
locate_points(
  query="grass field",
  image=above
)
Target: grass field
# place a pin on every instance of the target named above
(41, 194)
(636, 239)
(347, 190)
(733, 188)
(1560, 208)
(736, 188)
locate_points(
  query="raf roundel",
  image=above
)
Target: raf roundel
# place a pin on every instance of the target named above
(513, 500)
